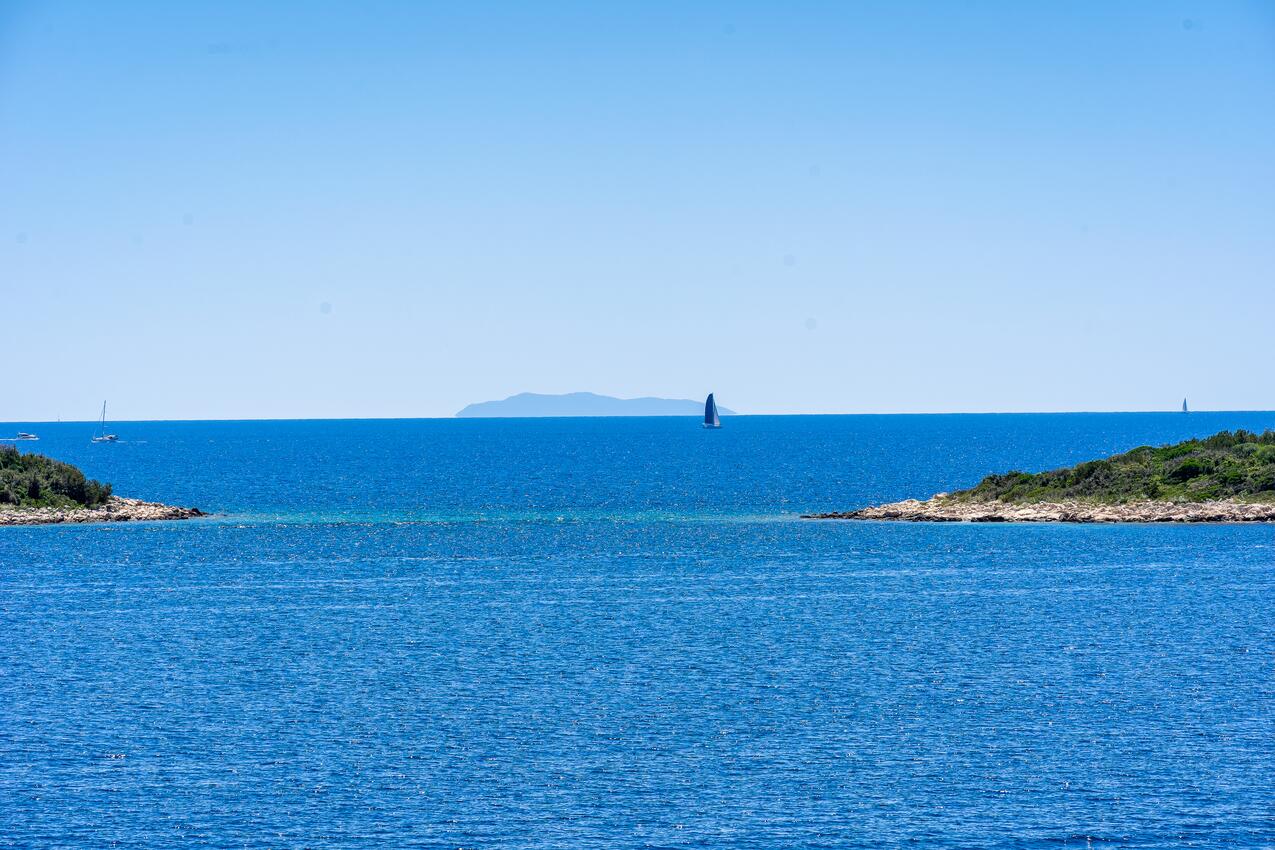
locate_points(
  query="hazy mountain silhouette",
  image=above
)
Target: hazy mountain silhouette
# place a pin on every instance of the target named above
(585, 404)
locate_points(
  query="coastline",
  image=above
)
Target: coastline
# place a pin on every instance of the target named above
(941, 508)
(116, 509)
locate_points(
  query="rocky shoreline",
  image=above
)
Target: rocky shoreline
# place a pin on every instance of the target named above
(941, 508)
(116, 509)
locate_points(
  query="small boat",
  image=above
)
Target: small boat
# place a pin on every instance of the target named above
(1184, 410)
(711, 420)
(101, 436)
(23, 435)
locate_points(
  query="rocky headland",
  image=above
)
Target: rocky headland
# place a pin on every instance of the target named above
(38, 490)
(113, 509)
(1228, 477)
(942, 508)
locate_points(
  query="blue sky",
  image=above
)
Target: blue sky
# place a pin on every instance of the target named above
(243, 210)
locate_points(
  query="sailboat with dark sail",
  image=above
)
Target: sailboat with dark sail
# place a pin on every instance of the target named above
(1184, 410)
(711, 419)
(100, 436)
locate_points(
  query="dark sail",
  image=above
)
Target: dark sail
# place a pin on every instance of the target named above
(1184, 410)
(710, 413)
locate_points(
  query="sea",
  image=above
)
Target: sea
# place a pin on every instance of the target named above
(618, 633)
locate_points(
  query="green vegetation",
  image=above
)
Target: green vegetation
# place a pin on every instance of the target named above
(1238, 466)
(35, 481)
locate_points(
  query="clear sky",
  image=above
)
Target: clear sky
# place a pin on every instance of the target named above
(241, 210)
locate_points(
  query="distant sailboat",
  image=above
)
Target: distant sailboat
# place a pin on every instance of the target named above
(101, 436)
(711, 419)
(1184, 410)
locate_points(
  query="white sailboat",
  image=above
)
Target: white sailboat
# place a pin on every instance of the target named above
(101, 436)
(711, 419)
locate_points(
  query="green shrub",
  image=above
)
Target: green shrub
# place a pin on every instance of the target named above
(1237, 464)
(1189, 468)
(37, 481)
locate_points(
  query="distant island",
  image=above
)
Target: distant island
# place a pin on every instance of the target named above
(1229, 477)
(584, 404)
(37, 490)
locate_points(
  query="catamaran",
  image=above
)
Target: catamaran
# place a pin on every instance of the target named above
(101, 436)
(711, 419)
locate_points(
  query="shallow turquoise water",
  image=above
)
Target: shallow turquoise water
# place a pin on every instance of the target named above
(615, 633)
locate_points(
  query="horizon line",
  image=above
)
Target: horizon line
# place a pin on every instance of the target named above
(454, 417)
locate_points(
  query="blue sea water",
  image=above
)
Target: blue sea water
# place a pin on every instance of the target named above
(616, 633)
